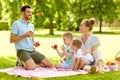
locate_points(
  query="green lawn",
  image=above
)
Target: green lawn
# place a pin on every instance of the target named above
(109, 47)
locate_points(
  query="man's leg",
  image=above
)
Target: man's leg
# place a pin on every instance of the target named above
(25, 59)
(29, 64)
(40, 59)
(47, 63)
(18, 63)
(58, 66)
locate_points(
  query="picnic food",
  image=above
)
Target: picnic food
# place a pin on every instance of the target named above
(108, 63)
(111, 63)
(117, 58)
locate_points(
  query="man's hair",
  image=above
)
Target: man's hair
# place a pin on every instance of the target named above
(68, 35)
(24, 8)
(76, 43)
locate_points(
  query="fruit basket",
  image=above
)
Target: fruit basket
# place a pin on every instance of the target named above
(117, 59)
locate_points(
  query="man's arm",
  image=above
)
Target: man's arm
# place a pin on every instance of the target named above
(14, 38)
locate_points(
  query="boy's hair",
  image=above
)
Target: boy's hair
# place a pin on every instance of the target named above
(76, 43)
(24, 8)
(68, 35)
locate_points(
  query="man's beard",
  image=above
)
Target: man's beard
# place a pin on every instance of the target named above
(27, 18)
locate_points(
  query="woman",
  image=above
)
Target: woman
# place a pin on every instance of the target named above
(90, 42)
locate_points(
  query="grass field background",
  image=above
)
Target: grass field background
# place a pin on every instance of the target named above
(110, 45)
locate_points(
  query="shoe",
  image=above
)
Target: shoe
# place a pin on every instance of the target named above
(100, 72)
(93, 69)
(18, 63)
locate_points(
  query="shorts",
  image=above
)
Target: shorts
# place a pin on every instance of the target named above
(64, 65)
(92, 62)
(24, 55)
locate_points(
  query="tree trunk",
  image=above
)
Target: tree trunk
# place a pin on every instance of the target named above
(51, 32)
(100, 30)
(109, 25)
(100, 17)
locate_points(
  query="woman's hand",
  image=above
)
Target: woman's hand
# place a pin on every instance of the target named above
(86, 51)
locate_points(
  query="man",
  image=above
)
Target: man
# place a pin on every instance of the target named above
(22, 35)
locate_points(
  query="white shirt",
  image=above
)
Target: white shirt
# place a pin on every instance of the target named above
(87, 56)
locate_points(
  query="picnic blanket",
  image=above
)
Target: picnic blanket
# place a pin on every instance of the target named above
(41, 72)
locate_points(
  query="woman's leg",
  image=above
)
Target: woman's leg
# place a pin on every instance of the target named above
(98, 61)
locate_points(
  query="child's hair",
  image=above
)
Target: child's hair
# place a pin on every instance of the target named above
(76, 43)
(89, 23)
(68, 35)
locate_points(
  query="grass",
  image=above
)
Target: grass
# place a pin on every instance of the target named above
(109, 47)
(10, 62)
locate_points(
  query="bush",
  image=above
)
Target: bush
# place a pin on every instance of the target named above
(4, 25)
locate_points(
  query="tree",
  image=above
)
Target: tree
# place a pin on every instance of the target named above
(117, 3)
(0, 10)
(63, 14)
(103, 10)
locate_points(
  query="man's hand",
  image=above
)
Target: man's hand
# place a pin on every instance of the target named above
(37, 44)
(14, 38)
(29, 34)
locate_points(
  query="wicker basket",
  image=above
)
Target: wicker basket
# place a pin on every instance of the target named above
(117, 59)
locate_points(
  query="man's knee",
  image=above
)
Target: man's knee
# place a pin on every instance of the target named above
(31, 67)
(29, 64)
(46, 62)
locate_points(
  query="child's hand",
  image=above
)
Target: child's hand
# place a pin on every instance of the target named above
(63, 47)
(37, 44)
(54, 46)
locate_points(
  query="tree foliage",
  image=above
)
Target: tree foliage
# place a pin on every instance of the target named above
(62, 14)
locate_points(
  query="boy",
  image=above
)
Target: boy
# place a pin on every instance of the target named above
(80, 59)
(66, 51)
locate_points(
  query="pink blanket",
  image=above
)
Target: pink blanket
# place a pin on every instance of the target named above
(41, 72)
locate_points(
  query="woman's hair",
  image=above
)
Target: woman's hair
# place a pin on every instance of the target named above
(89, 23)
(68, 35)
(76, 43)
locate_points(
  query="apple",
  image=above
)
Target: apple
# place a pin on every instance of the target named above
(55, 46)
(108, 63)
(113, 63)
(37, 43)
(41, 14)
(31, 32)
